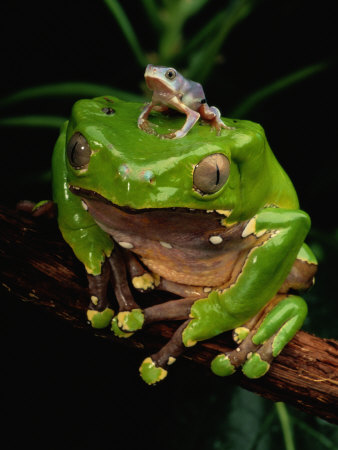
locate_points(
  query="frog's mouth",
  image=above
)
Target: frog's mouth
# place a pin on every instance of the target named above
(154, 83)
(191, 226)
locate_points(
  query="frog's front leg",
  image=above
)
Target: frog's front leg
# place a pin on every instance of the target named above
(263, 338)
(143, 122)
(99, 312)
(113, 269)
(213, 115)
(263, 273)
(192, 118)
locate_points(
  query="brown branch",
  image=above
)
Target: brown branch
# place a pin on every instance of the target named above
(38, 267)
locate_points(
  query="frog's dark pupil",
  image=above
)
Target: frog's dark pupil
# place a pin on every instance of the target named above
(73, 153)
(217, 174)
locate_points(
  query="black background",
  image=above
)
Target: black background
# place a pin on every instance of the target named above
(64, 388)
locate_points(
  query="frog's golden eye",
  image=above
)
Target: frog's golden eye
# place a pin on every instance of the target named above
(78, 151)
(211, 173)
(170, 74)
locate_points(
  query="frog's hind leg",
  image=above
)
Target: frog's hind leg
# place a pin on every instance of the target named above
(263, 337)
(99, 313)
(154, 368)
(114, 269)
(213, 116)
(141, 278)
(128, 322)
(143, 122)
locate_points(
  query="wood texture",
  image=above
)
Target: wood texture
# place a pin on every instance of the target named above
(38, 266)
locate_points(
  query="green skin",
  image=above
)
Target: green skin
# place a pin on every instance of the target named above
(160, 175)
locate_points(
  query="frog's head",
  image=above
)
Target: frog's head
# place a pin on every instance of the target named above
(109, 158)
(163, 79)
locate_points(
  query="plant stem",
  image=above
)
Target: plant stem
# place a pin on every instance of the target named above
(252, 100)
(33, 121)
(286, 425)
(127, 29)
(68, 89)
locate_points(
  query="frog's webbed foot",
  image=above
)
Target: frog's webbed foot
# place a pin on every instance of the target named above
(213, 116)
(263, 337)
(147, 126)
(114, 269)
(192, 118)
(154, 368)
(143, 122)
(99, 313)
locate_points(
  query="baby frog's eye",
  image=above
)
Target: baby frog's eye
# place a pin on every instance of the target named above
(170, 74)
(78, 151)
(211, 173)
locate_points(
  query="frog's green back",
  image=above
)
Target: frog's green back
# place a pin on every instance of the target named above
(132, 168)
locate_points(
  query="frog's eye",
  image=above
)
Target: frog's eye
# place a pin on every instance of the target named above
(78, 151)
(211, 173)
(170, 74)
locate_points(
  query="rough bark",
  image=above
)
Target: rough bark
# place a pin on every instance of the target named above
(37, 266)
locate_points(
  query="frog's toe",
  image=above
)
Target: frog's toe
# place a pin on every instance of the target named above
(222, 366)
(240, 333)
(100, 319)
(127, 322)
(147, 126)
(255, 366)
(150, 373)
(117, 331)
(145, 282)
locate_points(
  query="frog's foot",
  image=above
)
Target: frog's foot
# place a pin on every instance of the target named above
(218, 124)
(99, 313)
(143, 122)
(147, 126)
(192, 118)
(127, 322)
(155, 368)
(213, 116)
(100, 319)
(265, 341)
(141, 279)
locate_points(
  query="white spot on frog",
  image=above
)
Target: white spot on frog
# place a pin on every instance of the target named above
(126, 244)
(94, 299)
(216, 240)
(250, 228)
(166, 244)
(84, 205)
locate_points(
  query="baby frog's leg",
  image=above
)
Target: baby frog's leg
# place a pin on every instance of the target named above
(192, 118)
(213, 115)
(143, 122)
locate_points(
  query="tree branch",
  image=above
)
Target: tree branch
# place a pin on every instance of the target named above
(39, 267)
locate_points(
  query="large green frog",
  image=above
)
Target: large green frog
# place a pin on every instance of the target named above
(211, 218)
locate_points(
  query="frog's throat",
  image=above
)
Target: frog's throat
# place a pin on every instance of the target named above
(155, 84)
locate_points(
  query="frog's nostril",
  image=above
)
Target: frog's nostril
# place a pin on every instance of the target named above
(123, 170)
(148, 175)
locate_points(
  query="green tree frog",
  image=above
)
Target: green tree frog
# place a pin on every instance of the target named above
(213, 219)
(172, 90)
